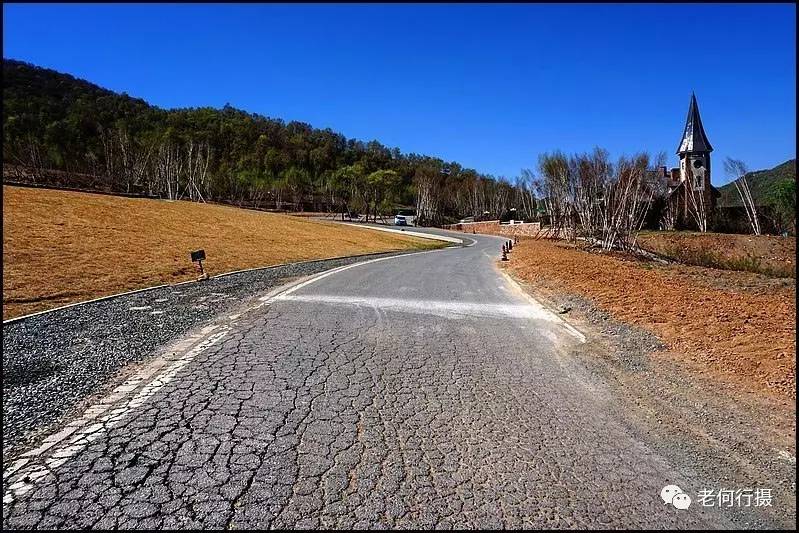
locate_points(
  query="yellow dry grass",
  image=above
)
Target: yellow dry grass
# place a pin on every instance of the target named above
(61, 247)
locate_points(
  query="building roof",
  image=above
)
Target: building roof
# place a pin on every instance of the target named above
(694, 138)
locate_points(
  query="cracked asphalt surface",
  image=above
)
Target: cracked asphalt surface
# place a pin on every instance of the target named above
(54, 360)
(419, 391)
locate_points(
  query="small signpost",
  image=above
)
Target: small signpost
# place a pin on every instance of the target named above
(197, 257)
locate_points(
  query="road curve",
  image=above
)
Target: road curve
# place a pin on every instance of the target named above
(422, 391)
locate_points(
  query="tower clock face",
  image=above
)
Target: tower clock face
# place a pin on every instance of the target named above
(697, 163)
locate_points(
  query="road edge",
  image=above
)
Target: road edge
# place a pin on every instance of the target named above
(280, 265)
(566, 325)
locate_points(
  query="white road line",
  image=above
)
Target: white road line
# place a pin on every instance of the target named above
(446, 309)
(175, 285)
(109, 412)
(568, 327)
(26, 477)
(411, 233)
(541, 312)
(323, 275)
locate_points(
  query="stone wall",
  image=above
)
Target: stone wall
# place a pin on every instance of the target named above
(493, 227)
(530, 229)
(490, 227)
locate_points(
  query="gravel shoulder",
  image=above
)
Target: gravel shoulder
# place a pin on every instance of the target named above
(54, 361)
(731, 438)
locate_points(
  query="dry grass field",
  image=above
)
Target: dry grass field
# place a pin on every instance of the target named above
(61, 247)
(763, 254)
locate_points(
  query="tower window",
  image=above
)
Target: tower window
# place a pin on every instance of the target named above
(699, 183)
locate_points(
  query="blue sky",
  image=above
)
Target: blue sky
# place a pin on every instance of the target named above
(489, 86)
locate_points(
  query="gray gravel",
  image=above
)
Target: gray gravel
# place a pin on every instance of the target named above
(632, 344)
(54, 360)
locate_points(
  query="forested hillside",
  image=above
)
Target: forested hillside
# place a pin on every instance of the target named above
(64, 131)
(766, 185)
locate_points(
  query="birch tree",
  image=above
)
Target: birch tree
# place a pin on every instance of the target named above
(526, 195)
(429, 192)
(198, 157)
(553, 186)
(697, 204)
(736, 169)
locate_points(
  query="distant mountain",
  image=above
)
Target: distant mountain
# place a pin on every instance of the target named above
(762, 183)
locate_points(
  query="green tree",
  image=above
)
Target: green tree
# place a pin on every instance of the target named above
(346, 181)
(783, 197)
(382, 187)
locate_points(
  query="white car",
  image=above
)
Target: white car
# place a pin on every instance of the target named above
(400, 220)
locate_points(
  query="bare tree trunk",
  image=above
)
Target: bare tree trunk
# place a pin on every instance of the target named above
(697, 207)
(737, 170)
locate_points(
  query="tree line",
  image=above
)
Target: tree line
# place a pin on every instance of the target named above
(61, 130)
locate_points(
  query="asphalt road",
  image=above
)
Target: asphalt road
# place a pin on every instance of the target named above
(422, 390)
(55, 360)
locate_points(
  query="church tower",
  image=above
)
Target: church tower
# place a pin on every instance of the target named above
(694, 152)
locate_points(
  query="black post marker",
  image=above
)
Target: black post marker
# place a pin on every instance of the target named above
(198, 256)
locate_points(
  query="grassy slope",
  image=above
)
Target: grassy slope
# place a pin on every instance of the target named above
(762, 183)
(62, 247)
(764, 254)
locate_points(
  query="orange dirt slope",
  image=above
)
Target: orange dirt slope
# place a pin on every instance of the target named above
(735, 324)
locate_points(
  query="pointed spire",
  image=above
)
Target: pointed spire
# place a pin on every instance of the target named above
(694, 138)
